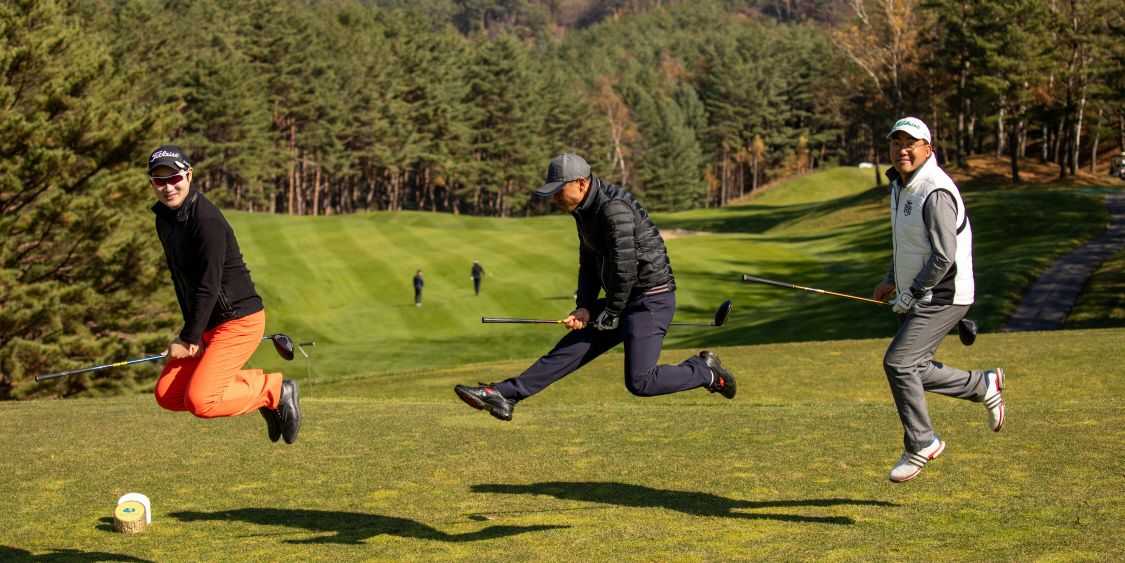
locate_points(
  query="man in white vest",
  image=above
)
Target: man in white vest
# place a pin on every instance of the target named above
(932, 274)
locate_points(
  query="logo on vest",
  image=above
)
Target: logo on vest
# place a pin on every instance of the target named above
(906, 210)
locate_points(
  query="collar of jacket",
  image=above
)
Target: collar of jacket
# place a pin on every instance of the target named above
(589, 204)
(180, 214)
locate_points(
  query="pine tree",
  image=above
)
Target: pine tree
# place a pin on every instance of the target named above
(81, 280)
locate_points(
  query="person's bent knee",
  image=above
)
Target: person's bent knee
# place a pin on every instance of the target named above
(638, 386)
(168, 403)
(894, 369)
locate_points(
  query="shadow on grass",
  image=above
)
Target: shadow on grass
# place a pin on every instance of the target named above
(351, 527)
(688, 502)
(16, 555)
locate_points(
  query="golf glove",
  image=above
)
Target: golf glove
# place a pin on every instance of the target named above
(607, 321)
(904, 302)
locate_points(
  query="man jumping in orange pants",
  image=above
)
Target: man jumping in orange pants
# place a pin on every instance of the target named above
(224, 318)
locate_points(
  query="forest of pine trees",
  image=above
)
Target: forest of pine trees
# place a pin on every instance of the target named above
(457, 106)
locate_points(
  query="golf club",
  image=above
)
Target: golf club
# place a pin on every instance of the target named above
(721, 317)
(281, 343)
(308, 367)
(966, 329)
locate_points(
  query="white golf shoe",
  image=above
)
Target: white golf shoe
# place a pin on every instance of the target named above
(994, 383)
(910, 465)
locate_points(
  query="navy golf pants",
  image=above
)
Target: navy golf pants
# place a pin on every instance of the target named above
(642, 327)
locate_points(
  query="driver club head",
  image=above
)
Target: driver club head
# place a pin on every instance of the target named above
(284, 346)
(967, 331)
(723, 313)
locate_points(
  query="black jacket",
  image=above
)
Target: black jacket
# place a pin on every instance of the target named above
(619, 249)
(212, 283)
(418, 283)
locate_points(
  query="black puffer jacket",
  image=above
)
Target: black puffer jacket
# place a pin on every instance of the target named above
(619, 249)
(212, 282)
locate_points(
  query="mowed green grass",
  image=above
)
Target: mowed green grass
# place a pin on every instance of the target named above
(793, 469)
(345, 282)
(1102, 302)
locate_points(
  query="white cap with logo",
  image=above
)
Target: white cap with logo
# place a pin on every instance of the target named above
(913, 127)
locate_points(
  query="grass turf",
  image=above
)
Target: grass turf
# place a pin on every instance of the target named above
(1102, 302)
(345, 281)
(793, 469)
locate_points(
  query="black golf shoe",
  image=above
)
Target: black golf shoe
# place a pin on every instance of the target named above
(289, 411)
(486, 397)
(272, 426)
(723, 383)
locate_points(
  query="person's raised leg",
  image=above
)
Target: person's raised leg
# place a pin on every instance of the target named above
(219, 387)
(643, 326)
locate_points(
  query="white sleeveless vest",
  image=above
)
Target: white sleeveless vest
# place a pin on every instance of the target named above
(911, 239)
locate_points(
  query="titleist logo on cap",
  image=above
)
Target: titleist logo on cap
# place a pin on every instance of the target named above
(159, 154)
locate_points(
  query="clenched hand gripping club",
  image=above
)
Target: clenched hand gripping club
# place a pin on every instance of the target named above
(281, 343)
(966, 329)
(721, 317)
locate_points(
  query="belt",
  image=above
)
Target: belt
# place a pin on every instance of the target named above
(659, 289)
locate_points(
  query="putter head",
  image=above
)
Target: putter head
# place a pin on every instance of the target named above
(723, 313)
(967, 331)
(283, 345)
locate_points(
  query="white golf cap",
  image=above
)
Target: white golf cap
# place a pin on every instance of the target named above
(913, 127)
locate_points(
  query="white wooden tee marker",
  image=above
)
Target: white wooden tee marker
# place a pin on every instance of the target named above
(133, 513)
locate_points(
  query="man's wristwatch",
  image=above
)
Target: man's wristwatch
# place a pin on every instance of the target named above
(916, 293)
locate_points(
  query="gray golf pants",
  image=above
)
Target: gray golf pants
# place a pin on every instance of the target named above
(911, 370)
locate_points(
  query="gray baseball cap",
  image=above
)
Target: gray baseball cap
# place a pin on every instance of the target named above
(566, 167)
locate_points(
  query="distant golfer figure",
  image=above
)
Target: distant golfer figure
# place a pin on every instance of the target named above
(418, 283)
(224, 318)
(476, 275)
(932, 272)
(620, 251)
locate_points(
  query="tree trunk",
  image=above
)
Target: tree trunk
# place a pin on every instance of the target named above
(1000, 130)
(875, 153)
(1046, 142)
(1064, 147)
(1014, 148)
(316, 193)
(1094, 150)
(1077, 144)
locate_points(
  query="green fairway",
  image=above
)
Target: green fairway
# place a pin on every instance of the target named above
(1102, 302)
(793, 469)
(345, 281)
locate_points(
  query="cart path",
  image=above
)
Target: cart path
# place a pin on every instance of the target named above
(1048, 303)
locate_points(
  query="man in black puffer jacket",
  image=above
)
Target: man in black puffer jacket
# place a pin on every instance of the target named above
(619, 251)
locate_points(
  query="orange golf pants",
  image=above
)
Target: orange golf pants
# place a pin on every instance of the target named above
(215, 384)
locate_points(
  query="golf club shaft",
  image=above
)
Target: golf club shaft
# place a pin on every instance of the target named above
(693, 324)
(519, 321)
(812, 289)
(96, 368)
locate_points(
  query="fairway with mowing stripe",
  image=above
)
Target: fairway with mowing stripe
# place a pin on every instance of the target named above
(345, 282)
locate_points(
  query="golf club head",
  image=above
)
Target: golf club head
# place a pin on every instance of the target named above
(284, 346)
(723, 313)
(967, 331)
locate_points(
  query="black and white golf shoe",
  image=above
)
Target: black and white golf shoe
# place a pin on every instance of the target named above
(289, 410)
(723, 382)
(486, 397)
(273, 427)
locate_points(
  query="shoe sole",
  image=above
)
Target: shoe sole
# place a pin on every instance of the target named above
(296, 412)
(479, 405)
(273, 430)
(919, 470)
(1000, 386)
